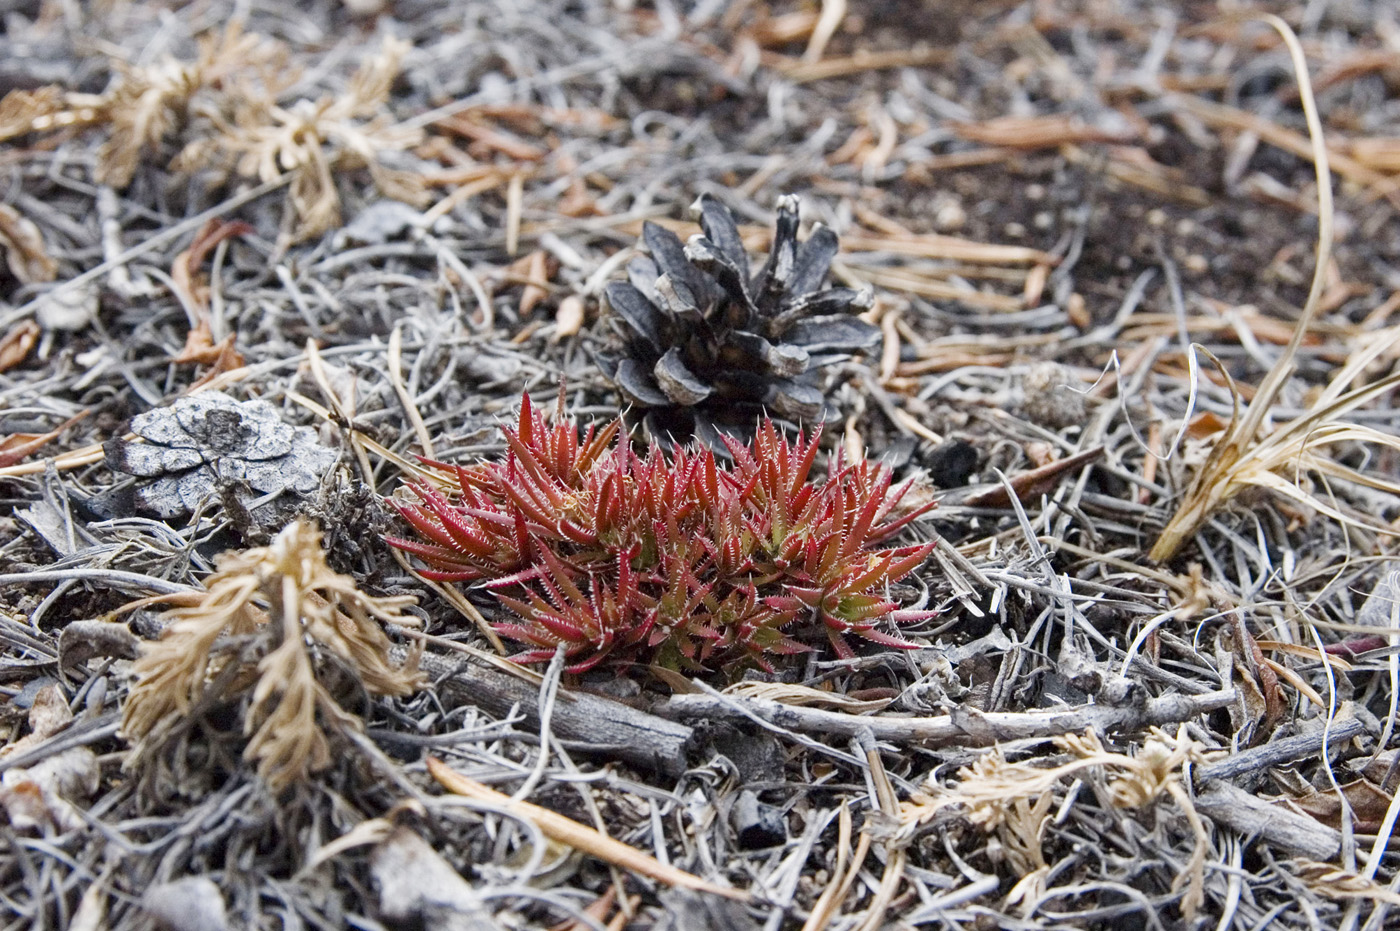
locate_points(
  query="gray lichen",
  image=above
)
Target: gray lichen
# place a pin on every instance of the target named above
(208, 445)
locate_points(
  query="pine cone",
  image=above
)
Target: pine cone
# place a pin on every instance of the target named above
(207, 442)
(703, 341)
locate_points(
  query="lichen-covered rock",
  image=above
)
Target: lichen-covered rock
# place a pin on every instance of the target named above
(208, 444)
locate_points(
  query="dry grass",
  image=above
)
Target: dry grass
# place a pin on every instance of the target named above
(228, 105)
(1241, 457)
(266, 628)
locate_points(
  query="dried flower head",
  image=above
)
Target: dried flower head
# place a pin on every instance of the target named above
(700, 334)
(273, 622)
(669, 557)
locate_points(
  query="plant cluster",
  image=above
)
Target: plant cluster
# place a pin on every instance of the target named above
(1013, 799)
(226, 110)
(669, 556)
(273, 628)
(702, 337)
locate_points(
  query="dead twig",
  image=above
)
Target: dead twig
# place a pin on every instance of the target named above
(567, 831)
(965, 725)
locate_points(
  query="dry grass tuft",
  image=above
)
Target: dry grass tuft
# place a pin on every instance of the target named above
(1240, 457)
(1282, 460)
(1013, 800)
(225, 111)
(145, 104)
(45, 109)
(259, 138)
(270, 623)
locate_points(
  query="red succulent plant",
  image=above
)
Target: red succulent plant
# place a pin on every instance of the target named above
(668, 556)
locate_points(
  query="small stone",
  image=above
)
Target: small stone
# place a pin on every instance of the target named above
(380, 222)
(951, 462)
(1048, 398)
(949, 217)
(756, 824)
(67, 308)
(190, 904)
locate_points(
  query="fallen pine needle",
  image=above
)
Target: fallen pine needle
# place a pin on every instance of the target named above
(567, 831)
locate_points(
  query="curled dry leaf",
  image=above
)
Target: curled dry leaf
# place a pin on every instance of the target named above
(23, 245)
(48, 715)
(16, 446)
(537, 276)
(16, 343)
(568, 319)
(82, 640)
(295, 610)
(194, 294)
(1366, 802)
(185, 269)
(42, 796)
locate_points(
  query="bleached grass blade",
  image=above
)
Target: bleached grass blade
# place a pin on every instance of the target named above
(1214, 484)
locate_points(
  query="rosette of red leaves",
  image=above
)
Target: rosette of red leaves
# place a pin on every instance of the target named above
(668, 556)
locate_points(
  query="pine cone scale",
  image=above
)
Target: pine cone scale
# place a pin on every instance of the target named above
(678, 382)
(814, 260)
(636, 311)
